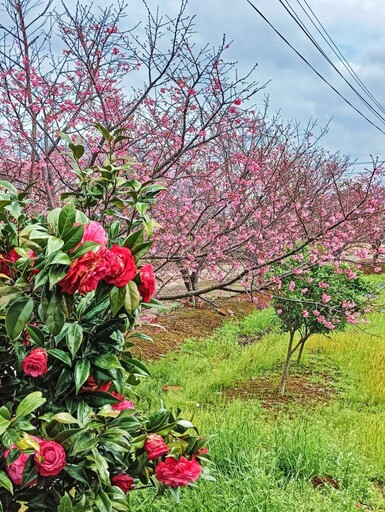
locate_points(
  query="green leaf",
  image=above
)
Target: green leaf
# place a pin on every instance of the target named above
(7, 294)
(4, 424)
(83, 249)
(36, 334)
(140, 250)
(74, 338)
(56, 274)
(135, 238)
(81, 373)
(29, 404)
(54, 244)
(67, 218)
(73, 237)
(53, 316)
(6, 482)
(65, 417)
(7, 185)
(77, 150)
(60, 258)
(4, 413)
(18, 315)
(41, 278)
(117, 297)
(103, 502)
(77, 473)
(107, 361)
(65, 504)
(132, 298)
(103, 130)
(61, 355)
(66, 304)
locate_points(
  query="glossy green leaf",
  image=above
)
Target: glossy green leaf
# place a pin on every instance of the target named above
(81, 373)
(74, 338)
(18, 315)
(29, 404)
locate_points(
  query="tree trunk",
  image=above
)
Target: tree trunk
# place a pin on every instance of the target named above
(300, 351)
(287, 365)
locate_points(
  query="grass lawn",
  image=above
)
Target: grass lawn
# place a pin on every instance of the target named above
(321, 449)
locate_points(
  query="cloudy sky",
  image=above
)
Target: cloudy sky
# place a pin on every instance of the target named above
(356, 27)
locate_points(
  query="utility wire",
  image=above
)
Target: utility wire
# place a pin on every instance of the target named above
(338, 53)
(289, 9)
(313, 68)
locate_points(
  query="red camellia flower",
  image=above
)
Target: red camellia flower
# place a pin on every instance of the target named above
(147, 282)
(123, 403)
(92, 385)
(155, 446)
(177, 473)
(123, 481)
(51, 458)
(85, 272)
(35, 364)
(122, 266)
(12, 257)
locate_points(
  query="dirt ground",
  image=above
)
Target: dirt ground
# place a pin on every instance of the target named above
(299, 389)
(191, 322)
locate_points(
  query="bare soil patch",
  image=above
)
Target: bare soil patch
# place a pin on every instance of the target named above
(190, 322)
(299, 389)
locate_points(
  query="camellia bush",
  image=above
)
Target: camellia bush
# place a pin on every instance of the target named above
(71, 290)
(319, 299)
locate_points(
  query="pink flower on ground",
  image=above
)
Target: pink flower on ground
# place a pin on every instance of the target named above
(305, 313)
(304, 290)
(325, 298)
(177, 473)
(155, 446)
(35, 364)
(291, 286)
(322, 284)
(351, 274)
(123, 481)
(316, 313)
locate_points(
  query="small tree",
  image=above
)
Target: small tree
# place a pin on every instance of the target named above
(318, 300)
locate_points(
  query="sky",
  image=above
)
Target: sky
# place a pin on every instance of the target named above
(356, 27)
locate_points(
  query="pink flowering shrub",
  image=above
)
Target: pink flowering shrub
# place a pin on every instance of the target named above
(72, 435)
(317, 311)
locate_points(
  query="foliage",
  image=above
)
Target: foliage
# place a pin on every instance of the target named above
(71, 292)
(318, 299)
(281, 445)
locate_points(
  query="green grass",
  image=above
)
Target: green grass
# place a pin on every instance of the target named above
(264, 460)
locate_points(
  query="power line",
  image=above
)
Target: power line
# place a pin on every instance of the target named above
(292, 13)
(338, 53)
(315, 71)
